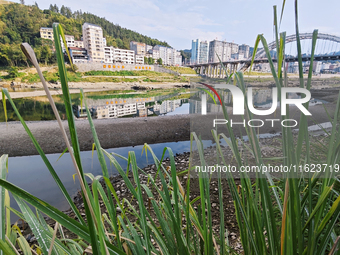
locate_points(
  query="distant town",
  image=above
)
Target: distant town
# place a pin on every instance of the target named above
(92, 48)
(203, 52)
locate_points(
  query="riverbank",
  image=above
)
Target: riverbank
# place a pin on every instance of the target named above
(19, 90)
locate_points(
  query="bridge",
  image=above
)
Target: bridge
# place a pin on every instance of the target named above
(214, 70)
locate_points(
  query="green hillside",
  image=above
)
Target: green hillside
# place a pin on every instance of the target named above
(20, 23)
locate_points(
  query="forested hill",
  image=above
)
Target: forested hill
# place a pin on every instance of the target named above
(20, 23)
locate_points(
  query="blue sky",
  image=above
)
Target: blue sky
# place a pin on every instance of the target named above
(180, 21)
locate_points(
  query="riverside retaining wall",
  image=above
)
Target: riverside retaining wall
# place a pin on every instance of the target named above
(85, 67)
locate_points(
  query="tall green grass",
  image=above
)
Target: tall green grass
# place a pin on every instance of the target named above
(165, 221)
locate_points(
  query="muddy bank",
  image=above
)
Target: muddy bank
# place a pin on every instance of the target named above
(112, 133)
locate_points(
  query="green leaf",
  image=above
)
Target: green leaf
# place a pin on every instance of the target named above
(44, 158)
(24, 246)
(4, 104)
(34, 224)
(55, 214)
(6, 248)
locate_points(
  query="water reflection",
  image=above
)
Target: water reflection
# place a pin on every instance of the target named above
(117, 107)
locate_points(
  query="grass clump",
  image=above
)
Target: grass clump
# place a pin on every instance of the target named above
(181, 70)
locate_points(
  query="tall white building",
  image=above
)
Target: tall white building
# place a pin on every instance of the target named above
(169, 56)
(199, 52)
(221, 50)
(93, 42)
(155, 54)
(243, 49)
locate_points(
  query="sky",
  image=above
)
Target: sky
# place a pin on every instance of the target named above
(178, 22)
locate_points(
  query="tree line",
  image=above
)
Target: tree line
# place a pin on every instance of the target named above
(21, 23)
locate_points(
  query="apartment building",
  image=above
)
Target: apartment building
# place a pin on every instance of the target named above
(222, 50)
(199, 51)
(148, 47)
(154, 54)
(93, 42)
(138, 48)
(46, 33)
(79, 44)
(243, 49)
(177, 58)
(169, 56)
(115, 55)
(78, 55)
(139, 59)
(69, 42)
(217, 50)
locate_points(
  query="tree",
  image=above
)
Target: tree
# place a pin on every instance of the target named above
(151, 61)
(22, 1)
(46, 54)
(13, 72)
(63, 10)
(68, 12)
(36, 4)
(160, 61)
(56, 8)
(146, 60)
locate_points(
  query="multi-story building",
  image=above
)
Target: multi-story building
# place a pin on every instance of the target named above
(115, 55)
(163, 53)
(238, 56)
(244, 49)
(178, 58)
(234, 48)
(139, 59)
(148, 47)
(69, 41)
(169, 56)
(79, 44)
(93, 42)
(46, 33)
(199, 52)
(155, 54)
(216, 51)
(221, 51)
(78, 55)
(138, 48)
